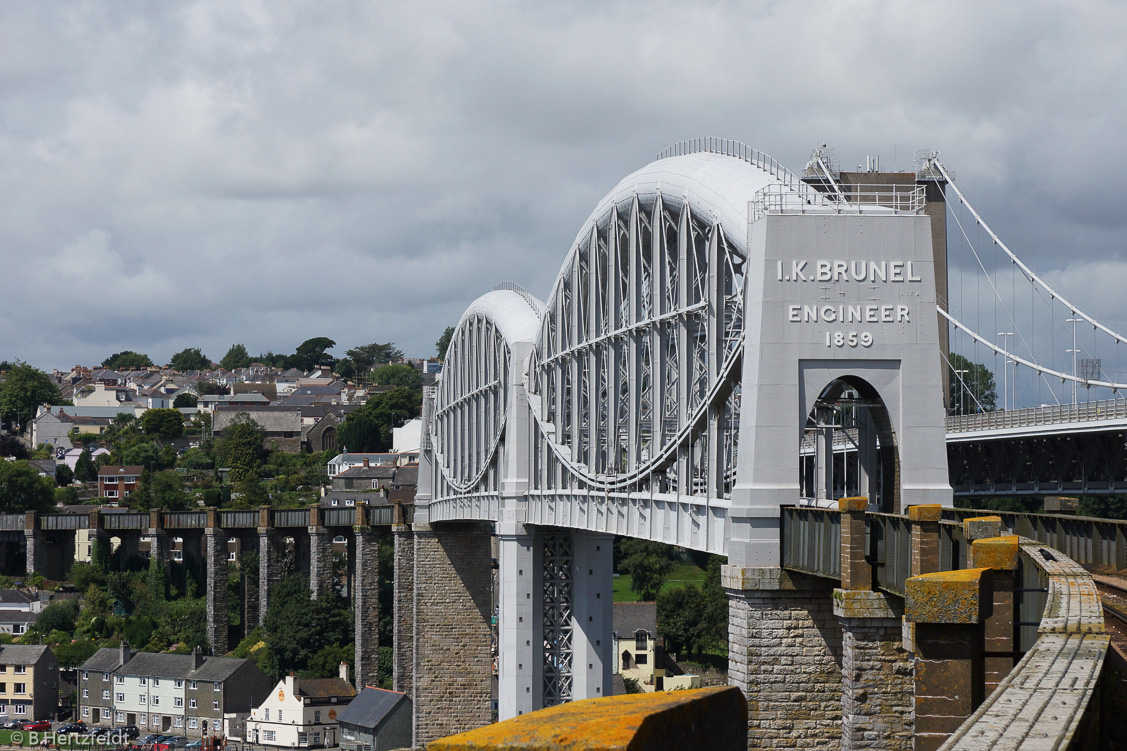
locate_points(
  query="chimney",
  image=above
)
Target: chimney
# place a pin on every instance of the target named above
(197, 658)
(124, 652)
(365, 461)
(344, 672)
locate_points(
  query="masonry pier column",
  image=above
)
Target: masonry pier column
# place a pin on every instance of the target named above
(403, 599)
(520, 658)
(999, 555)
(784, 652)
(215, 553)
(35, 548)
(945, 608)
(269, 561)
(159, 547)
(320, 555)
(923, 521)
(592, 583)
(453, 634)
(366, 603)
(876, 670)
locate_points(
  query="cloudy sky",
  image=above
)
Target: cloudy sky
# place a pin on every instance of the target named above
(196, 174)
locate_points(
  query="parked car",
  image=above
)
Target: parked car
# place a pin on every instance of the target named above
(11, 724)
(72, 727)
(98, 732)
(127, 731)
(148, 740)
(37, 725)
(195, 745)
(170, 743)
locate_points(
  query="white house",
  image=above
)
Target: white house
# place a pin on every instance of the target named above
(301, 712)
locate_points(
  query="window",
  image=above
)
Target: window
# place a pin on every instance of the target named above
(191, 703)
(20, 709)
(178, 701)
(193, 723)
(142, 699)
(142, 681)
(302, 739)
(279, 715)
(316, 739)
(641, 639)
(131, 478)
(142, 718)
(85, 675)
(334, 502)
(20, 688)
(156, 682)
(19, 628)
(120, 716)
(155, 701)
(179, 683)
(215, 705)
(85, 693)
(231, 555)
(121, 679)
(178, 555)
(111, 481)
(121, 697)
(3, 688)
(217, 686)
(317, 716)
(268, 736)
(178, 722)
(105, 693)
(111, 494)
(268, 714)
(20, 669)
(192, 685)
(86, 711)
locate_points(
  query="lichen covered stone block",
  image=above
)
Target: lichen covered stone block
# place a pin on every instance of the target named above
(945, 597)
(981, 527)
(712, 718)
(925, 512)
(998, 553)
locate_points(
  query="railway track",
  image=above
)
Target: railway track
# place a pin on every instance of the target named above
(1113, 596)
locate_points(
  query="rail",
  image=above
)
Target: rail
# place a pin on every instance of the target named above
(890, 550)
(536, 305)
(12, 522)
(61, 522)
(811, 541)
(1108, 409)
(780, 199)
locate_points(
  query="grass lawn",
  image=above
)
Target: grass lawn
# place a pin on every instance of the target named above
(682, 574)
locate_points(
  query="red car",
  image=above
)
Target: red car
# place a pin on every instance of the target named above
(37, 725)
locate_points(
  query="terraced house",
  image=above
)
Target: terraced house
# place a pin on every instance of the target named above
(184, 694)
(29, 682)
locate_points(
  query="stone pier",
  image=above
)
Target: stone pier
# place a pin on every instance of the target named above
(403, 601)
(215, 554)
(366, 608)
(320, 557)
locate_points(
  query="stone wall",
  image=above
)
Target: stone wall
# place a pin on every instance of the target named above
(785, 654)
(452, 629)
(876, 670)
(215, 553)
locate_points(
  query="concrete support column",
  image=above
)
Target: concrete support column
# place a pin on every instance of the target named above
(403, 599)
(269, 567)
(320, 561)
(366, 609)
(945, 608)
(592, 614)
(924, 525)
(876, 671)
(215, 553)
(453, 634)
(520, 658)
(784, 652)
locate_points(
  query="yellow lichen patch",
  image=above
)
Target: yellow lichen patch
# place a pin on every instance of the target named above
(981, 527)
(853, 503)
(944, 597)
(999, 553)
(925, 512)
(615, 723)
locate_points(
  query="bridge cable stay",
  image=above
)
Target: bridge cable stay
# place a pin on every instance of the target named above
(1039, 287)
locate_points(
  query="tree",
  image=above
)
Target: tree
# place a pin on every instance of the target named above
(297, 627)
(399, 375)
(64, 475)
(240, 448)
(24, 489)
(311, 353)
(11, 446)
(164, 490)
(972, 387)
(443, 342)
(127, 360)
(23, 389)
(58, 616)
(189, 359)
(370, 355)
(185, 400)
(84, 469)
(236, 357)
(369, 428)
(163, 423)
(648, 563)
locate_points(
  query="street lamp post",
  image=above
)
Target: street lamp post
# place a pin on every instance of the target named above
(1006, 369)
(962, 388)
(1074, 351)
